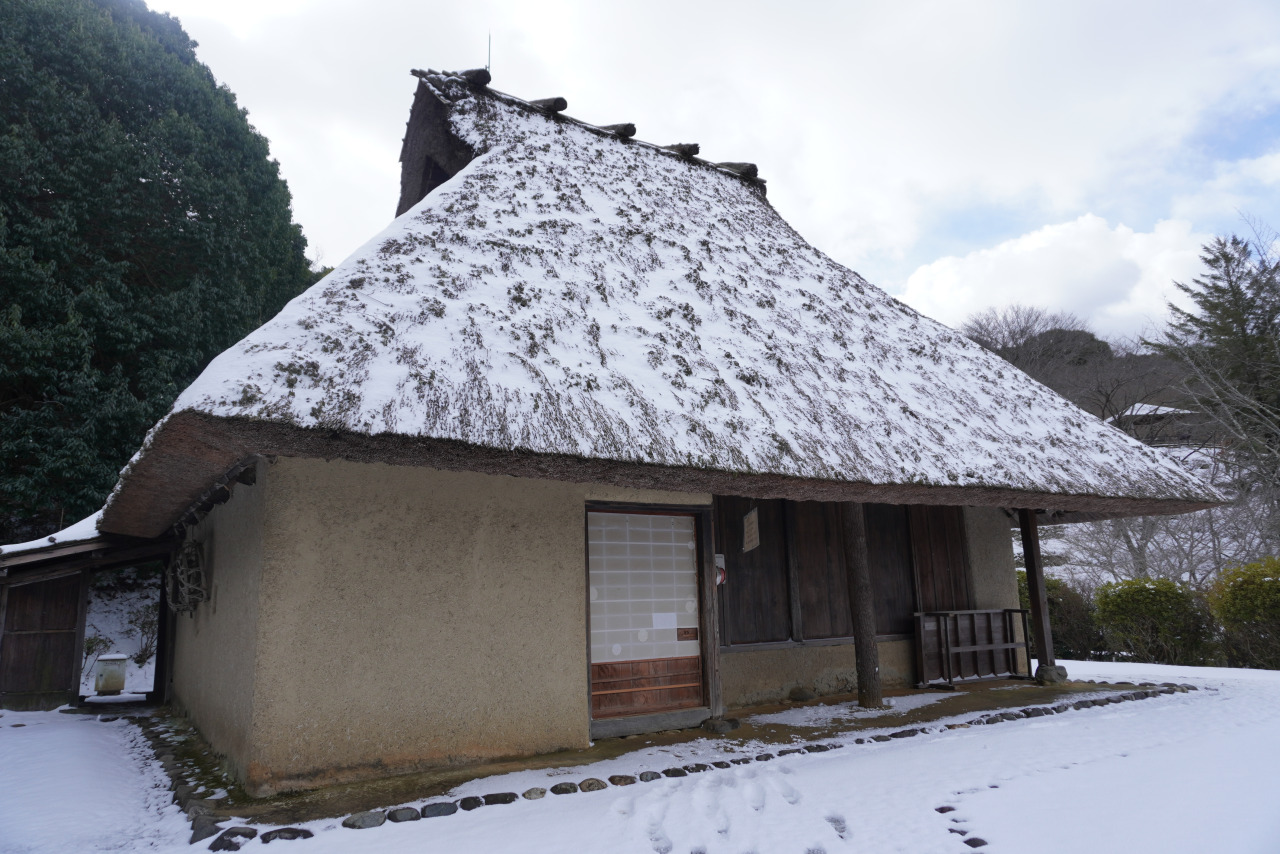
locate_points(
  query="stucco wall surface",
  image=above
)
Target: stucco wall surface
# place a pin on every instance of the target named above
(993, 576)
(750, 677)
(215, 648)
(993, 582)
(412, 617)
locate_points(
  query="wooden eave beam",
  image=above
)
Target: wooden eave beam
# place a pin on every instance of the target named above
(53, 552)
(68, 564)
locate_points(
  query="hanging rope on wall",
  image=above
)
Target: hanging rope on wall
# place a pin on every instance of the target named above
(184, 579)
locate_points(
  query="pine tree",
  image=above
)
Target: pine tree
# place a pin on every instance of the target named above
(1236, 316)
(143, 229)
(1229, 343)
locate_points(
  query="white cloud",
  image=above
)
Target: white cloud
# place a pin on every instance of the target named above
(1116, 278)
(1246, 186)
(881, 128)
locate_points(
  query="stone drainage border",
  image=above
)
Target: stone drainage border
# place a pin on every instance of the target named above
(232, 838)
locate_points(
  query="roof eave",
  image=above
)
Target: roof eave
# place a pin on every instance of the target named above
(192, 451)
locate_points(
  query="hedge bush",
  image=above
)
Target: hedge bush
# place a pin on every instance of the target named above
(1071, 617)
(1246, 601)
(1156, 620)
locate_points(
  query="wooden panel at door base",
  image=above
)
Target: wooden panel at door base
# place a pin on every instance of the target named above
(624, 688)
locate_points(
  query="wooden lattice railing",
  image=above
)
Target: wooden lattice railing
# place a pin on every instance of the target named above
(969, 646)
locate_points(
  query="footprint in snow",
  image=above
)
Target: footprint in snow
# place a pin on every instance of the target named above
(788, 792)
(754, 793)
(839, 825)
(660, 841)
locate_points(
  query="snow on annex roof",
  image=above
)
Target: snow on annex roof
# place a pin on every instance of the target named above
(85, 530)
(572, 295)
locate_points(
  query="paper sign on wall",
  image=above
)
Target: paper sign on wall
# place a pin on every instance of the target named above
(750, 531)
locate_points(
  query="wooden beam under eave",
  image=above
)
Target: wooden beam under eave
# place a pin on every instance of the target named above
(1048, 670)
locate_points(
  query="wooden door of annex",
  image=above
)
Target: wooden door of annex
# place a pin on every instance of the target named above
(40, 642)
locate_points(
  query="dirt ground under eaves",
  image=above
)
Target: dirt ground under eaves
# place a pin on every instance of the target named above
(205, 774)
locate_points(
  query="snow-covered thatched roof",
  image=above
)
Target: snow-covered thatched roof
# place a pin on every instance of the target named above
(573, 304)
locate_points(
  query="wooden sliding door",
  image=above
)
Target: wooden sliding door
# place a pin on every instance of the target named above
(646, 651)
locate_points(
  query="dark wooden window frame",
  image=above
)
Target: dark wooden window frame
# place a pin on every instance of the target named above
(797, 623)
(709, 633)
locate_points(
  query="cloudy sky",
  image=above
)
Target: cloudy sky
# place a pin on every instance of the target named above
(1072, 156)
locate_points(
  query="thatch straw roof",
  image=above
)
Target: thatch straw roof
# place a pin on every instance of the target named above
(569, 303)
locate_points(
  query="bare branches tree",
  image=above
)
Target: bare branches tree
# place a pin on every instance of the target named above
(1208, 389)
(1104, 378)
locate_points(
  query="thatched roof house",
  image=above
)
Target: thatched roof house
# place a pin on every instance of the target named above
(580, 373)
(567, 303)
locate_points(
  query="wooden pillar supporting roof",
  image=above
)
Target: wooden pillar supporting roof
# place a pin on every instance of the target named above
(1048, 671)
(865, 649)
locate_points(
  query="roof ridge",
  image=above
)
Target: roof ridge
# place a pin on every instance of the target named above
(746, 172)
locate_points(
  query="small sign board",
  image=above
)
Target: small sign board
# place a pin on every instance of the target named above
(750, 531)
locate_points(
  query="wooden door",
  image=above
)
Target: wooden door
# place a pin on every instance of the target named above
(40, 651)
(892, 575)
(941, 558)
(645, 632)
(815, 548)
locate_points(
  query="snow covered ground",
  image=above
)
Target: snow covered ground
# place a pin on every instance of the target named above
(1188, 772)
(111, 606)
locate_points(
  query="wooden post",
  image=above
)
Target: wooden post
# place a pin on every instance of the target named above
(710, 616)
(77, 655)
(853, 524)
(4, 609)
(165, 630)
(1048, 669)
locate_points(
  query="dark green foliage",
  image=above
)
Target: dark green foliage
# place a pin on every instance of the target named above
(1246, 601)
(1230, 345)
(143, 229)
(1155, 620)
(1236, 317)
(1075, 632)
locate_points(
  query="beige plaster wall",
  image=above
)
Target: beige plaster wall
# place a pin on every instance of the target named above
(215, 648)
(898, 663)
(750, 677)
(992, 579)
(412, 617)
(993, 576)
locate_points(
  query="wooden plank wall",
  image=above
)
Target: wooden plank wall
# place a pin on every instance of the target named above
(757, 596)
(892, 575)
(795, 586)
(941, 558)
(39, 648)
(623, 688)
(815, 546)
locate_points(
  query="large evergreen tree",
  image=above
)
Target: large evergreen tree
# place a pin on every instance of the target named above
(143, 229)
(1228, 341)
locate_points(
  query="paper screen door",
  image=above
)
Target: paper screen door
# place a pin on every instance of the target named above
(645, 647)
